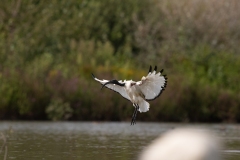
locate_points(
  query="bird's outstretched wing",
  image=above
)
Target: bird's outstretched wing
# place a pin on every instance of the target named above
(152, 85)
(121, 90)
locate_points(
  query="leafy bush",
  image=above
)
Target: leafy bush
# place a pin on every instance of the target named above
(57, 110)
(48, 51)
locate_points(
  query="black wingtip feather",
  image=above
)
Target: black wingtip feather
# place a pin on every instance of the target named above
(161, 71)
(155, 68)
(150, 69)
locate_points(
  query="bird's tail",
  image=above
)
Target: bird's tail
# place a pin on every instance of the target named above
(143, 106)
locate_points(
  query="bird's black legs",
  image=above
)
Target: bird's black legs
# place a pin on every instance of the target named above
(134, 114)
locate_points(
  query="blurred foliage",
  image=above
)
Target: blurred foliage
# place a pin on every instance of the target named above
(57, 110)
(49, 49)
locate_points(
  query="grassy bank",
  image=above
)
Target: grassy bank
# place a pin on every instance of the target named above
(49, 50)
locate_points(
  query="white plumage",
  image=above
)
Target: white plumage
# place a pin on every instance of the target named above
(148, 88)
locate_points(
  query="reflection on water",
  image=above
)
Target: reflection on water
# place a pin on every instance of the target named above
(88, 141)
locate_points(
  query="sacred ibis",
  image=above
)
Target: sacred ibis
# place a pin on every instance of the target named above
(147, 89)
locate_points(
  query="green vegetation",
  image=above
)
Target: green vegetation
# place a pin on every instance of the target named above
(49, 49)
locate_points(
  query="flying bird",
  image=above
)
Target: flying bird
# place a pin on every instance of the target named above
(147, 89)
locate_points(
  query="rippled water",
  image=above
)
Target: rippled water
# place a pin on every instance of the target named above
(89, 141)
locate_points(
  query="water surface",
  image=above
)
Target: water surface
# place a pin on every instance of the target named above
(88, 140)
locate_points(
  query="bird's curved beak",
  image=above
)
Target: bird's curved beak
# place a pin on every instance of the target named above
(110, 82)
(113, 82)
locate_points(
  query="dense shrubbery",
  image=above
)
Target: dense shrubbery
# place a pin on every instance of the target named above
(49, 49)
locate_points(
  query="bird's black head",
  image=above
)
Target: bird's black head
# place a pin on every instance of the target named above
(113, 82)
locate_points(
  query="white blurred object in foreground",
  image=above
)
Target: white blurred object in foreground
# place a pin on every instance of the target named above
(184, 144)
